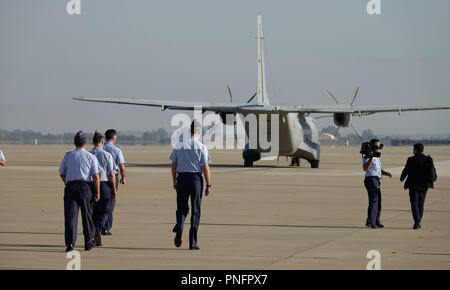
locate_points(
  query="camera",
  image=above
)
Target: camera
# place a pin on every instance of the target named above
(367, 148)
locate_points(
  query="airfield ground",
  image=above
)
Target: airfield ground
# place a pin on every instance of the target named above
(267, 217)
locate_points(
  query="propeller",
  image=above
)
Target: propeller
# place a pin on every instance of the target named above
(353, 100)
(334, 98)
(251, 98)
(335, 135)
(229, 93)
(354, 97)
(356, 132)
(351, 105)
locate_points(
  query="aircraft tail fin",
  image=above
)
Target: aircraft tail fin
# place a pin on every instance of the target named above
(261, 91)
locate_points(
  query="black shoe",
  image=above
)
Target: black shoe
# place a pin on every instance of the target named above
(380, 225)
(89, 246)
(417, 226)
(194, 248)
(371, 226)
(106, 233)
(69, 248)
(177, 241)
(98, 239)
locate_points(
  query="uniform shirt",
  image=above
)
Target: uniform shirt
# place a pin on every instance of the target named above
(190, 155)
(79, 165)
(374, 168)
(116, 155)
(2, 157)
(105, 162)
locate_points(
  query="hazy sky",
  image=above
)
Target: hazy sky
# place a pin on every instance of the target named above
(188, 49)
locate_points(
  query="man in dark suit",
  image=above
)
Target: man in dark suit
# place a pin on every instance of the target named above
(421, 174)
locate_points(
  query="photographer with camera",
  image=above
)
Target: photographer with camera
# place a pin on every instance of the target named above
(371, 152)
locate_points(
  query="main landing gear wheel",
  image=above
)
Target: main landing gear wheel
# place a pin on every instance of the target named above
(248, 162)
(314, 163)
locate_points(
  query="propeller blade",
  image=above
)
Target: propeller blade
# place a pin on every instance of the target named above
(252, 97)
(323, 116)
(335, 135)
(356, 132)
(229, 93)
(354, 97)
(334, 98)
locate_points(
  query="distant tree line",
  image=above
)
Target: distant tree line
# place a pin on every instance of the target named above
(367, 135)
(162, 136)
(404, 142)
(158, 136)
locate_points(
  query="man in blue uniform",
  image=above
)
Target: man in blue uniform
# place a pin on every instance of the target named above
(189, 159)
(119, 167)
(77, 169)
(421, 174)
(107, 185)
(372, 166)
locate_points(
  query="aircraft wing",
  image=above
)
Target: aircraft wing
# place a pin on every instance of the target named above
(359, 111)
(175, 105)
(247, 108)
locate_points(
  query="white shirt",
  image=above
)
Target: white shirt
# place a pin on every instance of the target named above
(374, 168)
(2, 157)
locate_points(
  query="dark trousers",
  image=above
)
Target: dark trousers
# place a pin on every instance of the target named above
(102, 208)
(373, 186)
(189, 185)
(417, 198)
(109, 221)
(77, 195)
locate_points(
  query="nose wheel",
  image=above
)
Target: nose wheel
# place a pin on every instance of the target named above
(250, 156)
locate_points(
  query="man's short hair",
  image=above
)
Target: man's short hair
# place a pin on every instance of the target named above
(80, 139)
(196, 127)
(373, 141)
(418, 147)
(98, 137)
(110, 134)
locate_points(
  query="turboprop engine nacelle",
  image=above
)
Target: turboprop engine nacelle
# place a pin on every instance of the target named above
(342, 119)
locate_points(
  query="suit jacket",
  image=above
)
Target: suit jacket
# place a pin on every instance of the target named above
(417, 171)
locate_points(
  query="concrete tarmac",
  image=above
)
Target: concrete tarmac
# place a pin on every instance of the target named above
(271, 216)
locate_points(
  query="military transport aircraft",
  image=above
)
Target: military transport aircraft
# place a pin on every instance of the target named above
(298, 135)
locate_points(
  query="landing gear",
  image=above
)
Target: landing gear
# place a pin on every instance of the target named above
(314, 163)
(295, 161)
(248, 162)
(250, 156)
